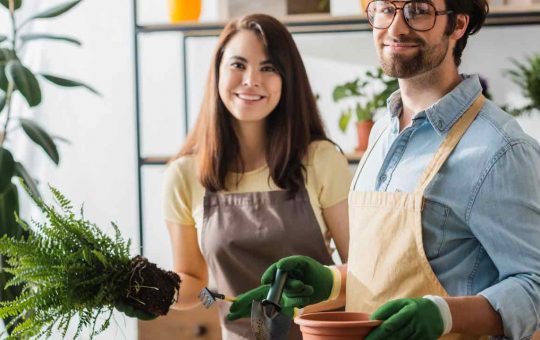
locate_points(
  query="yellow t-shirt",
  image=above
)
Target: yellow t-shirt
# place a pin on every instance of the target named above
(327, 183)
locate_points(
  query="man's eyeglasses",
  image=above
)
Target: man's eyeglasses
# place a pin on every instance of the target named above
(419, 15)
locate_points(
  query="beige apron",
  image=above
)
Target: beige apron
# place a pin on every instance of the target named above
(387, 258)
(244, 233)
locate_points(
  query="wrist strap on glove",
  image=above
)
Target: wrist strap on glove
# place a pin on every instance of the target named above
(336, 286)
(446, 316)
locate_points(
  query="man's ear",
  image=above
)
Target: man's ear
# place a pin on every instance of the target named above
(462, 21)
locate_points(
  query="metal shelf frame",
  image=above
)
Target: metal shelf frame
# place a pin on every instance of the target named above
(300, 24)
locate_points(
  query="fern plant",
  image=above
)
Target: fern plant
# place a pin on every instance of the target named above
(69, 268)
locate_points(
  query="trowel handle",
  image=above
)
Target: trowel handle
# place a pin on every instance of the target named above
(274, 294)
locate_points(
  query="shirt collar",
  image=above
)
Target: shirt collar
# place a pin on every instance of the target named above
(446, 111)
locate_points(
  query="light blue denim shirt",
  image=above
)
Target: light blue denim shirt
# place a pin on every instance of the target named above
(481, 221)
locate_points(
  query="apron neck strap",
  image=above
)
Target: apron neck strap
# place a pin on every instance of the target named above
(449, 143)
(366, 154)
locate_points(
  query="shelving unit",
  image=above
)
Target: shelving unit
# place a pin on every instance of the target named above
(300, 24)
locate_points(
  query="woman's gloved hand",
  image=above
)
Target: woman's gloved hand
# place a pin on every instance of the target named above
(308, 281)
(133, 312)
(241, 308)
(404, 319)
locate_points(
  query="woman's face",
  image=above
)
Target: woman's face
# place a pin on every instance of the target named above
(249, 85)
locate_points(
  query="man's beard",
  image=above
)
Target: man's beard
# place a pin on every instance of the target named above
(427, 58)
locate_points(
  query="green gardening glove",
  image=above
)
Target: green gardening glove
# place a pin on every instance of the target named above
(133, 312)
(241, 307)
(308, 281)
(408, 319)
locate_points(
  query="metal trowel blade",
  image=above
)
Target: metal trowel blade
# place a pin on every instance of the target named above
(267, 322)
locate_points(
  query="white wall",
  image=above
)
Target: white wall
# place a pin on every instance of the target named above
(99, 167)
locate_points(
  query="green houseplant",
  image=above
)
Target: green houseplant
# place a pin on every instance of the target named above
(369, 93)
(527, 76)
(68, 267)
(17, 79)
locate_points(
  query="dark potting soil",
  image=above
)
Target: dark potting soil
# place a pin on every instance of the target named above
(151, 289)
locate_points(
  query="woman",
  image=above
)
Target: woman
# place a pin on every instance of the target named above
(257, 179)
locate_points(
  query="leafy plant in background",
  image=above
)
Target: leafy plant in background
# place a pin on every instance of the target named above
(15, 78)
(527, 76)
(69, 268)
(370, 91)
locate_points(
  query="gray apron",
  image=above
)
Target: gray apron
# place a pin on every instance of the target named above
(244, 233)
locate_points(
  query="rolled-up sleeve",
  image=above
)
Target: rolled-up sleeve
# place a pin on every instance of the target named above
(505, 217)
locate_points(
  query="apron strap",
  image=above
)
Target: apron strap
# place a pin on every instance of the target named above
(365, 156)
(449, 143)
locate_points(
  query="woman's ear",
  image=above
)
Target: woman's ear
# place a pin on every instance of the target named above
(462, 21)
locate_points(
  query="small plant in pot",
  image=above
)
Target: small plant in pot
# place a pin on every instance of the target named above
(527, 76)
(69, 268)
(368, 94)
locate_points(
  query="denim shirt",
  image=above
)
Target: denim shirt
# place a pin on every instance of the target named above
(481, 220)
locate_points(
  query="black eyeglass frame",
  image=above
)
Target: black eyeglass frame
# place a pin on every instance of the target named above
(437, 13)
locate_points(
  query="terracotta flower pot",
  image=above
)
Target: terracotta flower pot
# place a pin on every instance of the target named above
(335, 325)
(363, 129)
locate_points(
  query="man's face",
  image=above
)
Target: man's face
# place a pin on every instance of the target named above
(406, 53)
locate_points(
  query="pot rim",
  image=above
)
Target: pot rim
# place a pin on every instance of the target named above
(305, 320)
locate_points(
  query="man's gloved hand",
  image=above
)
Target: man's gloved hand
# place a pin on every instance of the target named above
(308, 281)
(134, 312)
(241, 308)
(417, 318)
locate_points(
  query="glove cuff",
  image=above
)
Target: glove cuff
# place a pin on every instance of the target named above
(336, 285)
(446, 316)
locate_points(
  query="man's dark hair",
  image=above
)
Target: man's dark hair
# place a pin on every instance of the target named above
(477, 11)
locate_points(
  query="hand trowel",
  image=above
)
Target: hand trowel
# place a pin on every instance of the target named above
(267, 322)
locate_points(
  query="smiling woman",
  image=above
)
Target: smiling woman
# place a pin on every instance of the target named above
(258, 178)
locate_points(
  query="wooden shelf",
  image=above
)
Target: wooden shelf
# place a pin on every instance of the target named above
(325, 23)
(353, 158)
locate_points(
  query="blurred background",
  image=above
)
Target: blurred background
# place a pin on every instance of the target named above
(97, 135)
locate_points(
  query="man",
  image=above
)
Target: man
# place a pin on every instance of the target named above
(445, 205)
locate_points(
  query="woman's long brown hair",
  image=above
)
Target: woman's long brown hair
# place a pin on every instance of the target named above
(290, 127)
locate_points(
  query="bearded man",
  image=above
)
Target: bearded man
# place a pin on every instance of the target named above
(444, 209)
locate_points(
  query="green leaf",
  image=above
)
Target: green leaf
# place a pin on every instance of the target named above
(55, 11)
(344, 119)
(30, 37)
(5, 56)
(9, 206)
(363, 113)
(20, 171)
(41, 138)
(349, 89)
(2, 38)
(100, 257)
(67, 82)
(2, 100)
(7, 168)
(25, 82)
(5, 3)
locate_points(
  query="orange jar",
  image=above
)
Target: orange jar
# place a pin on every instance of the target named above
(184, 10)
(363, 5)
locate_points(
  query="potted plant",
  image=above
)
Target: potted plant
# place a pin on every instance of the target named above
(17, 79)
(527, 76)
(369, 92)
(68, 267)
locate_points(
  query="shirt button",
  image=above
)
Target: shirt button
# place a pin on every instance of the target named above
(383, 178)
